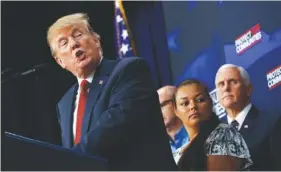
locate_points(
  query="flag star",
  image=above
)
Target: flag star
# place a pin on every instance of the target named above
(124, 34)
(124, 49)
(119, 18)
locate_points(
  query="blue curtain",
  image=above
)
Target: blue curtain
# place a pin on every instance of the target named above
(146, 21)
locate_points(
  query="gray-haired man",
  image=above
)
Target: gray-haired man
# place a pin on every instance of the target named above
(261, 130)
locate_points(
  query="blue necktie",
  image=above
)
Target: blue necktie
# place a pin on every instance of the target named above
(235, 124)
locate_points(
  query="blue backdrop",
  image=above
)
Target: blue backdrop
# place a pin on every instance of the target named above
(201, 37)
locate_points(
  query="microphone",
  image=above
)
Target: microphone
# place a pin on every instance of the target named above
(35, 68)
(32, 70)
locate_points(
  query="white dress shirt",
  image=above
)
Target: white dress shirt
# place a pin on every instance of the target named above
(240, 118)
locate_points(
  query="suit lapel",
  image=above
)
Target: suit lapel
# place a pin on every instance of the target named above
(95, 90)
(68, 115)
(99, 80)
(249, 122)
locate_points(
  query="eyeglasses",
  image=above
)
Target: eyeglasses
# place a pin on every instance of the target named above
(164, 103)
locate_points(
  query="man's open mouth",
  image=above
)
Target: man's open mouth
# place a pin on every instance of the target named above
(79, 54)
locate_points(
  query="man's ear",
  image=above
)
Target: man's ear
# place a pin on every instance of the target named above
(175, 110)
(60, 62)
(96, 38)
(249, 90)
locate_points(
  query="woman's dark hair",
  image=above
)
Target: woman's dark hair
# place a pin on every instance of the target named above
(190, 82)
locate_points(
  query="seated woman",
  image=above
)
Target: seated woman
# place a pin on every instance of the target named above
(213, 145)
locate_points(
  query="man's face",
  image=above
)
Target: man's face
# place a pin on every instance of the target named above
(76, 49)
(232, 91)
(168, 113)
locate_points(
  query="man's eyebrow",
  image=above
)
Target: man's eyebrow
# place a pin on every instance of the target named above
(59, 38)
(165, 102)
(75, 30)
(228, 79)
(219, 82)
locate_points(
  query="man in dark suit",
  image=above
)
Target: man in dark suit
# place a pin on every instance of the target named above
(113, 111)
(261, 130)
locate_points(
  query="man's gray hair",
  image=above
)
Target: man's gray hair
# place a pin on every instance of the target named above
(168, 90)
(243, 73)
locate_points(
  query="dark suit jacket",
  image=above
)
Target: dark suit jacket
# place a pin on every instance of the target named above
(262, 133)
(123, 121)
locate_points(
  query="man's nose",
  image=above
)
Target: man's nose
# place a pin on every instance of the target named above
(226, 87)
(74, 43)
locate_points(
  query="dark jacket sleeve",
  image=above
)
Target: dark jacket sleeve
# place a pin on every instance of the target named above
(132, 100)
(59, 122)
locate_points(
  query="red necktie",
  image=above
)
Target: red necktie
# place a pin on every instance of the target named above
(81, 108)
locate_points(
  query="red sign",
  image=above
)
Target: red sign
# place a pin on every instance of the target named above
(248, 39)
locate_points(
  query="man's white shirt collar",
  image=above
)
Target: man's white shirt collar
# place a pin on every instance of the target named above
(89, 78)
(241, 116)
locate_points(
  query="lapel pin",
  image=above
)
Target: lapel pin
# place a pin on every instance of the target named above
(100, 82)
(246, 126)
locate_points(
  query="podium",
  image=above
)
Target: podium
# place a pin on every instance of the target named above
(24, 154)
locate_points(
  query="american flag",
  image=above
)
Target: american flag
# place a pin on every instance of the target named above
(124, 42)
